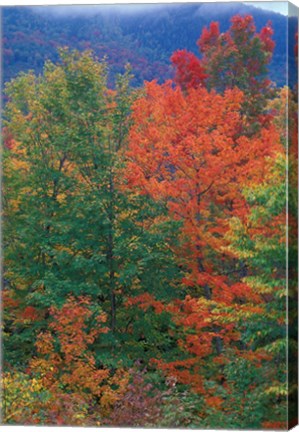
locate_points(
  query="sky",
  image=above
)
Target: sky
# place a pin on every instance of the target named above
(280, 7)
(92, 7)
(65, 6)
(276, 6)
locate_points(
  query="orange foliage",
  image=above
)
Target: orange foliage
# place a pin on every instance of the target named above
(144, 301)
(187, 150)
(73, 365)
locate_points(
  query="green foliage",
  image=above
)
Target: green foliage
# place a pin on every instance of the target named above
(70, 227)
(261, 243)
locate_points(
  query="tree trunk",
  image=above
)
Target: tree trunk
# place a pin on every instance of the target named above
(110, 255)
(207, 290)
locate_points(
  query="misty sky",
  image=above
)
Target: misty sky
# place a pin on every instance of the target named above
(279, 7)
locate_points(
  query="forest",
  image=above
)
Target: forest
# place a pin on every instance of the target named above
(144, 232)
(145, 37)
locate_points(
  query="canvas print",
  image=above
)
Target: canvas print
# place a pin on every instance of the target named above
(149, 215)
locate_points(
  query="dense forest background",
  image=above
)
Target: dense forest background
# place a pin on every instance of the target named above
(150, 218)
(146, 38)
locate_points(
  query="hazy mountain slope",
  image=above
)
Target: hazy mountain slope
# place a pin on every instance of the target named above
(144, 37)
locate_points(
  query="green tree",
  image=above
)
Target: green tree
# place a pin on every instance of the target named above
(257, 377)
(71, 229)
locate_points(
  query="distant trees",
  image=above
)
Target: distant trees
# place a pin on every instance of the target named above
(237, 58)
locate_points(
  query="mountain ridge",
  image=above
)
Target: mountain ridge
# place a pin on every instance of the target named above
(145, 38)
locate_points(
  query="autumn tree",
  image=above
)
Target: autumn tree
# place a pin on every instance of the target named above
(189, 70)
(238, 58)
(63, 370)
(260, 242)
(184, 151)
(71, 229)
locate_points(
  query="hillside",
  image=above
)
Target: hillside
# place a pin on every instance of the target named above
(144, 37)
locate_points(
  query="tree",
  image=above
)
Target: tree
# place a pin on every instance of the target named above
(184, 150)
(260, 242)
(237, 58)
(71, 228)
(189, 71)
